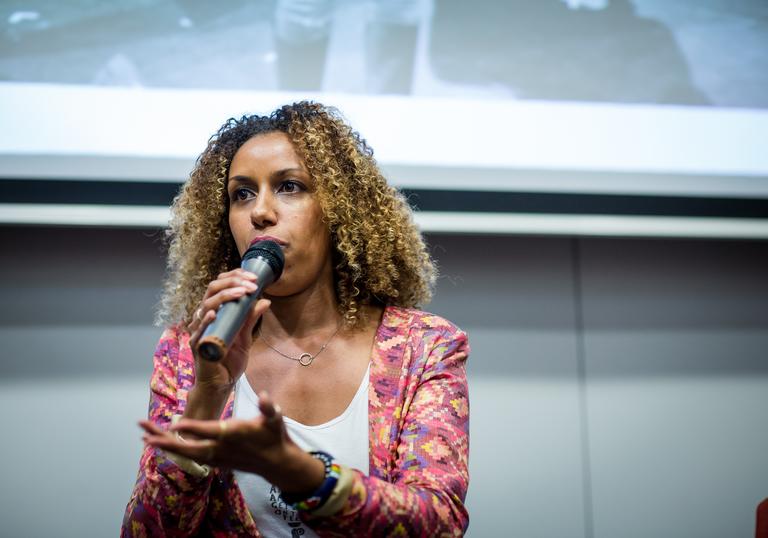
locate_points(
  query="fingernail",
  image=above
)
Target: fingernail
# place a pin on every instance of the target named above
(249, 275)
(278, 409)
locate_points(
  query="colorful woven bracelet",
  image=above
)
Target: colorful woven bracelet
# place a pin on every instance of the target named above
(318, 497)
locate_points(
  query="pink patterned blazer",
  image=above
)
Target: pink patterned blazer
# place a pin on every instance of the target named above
(418, 438)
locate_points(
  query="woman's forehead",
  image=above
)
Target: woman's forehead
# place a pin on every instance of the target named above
(274, 149)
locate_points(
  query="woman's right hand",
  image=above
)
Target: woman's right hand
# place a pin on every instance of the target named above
(218, 378)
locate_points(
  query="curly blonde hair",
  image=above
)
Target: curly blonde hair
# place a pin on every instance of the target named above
(379, 255)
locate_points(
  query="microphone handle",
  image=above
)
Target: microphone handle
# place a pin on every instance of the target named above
(218, 336)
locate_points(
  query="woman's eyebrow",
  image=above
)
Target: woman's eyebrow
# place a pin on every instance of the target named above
(286, 171)
(277, 173)
(240, 179)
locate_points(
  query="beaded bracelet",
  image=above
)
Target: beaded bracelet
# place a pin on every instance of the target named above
(317, 498)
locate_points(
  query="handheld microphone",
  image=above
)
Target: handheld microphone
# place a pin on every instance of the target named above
(265, 259)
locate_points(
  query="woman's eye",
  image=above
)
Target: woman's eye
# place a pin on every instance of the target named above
(241, 194)
(290, 187)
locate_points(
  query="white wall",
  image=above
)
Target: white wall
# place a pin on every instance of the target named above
(618, 387)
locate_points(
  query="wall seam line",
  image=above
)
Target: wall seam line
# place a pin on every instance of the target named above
(581, 366)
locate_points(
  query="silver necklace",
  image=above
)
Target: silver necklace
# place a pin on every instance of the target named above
(305, 359)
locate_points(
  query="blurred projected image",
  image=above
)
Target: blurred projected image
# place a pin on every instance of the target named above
(585, 50)
(303, 30)
(687, 52)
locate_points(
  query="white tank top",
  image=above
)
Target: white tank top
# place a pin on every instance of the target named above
(344, 437)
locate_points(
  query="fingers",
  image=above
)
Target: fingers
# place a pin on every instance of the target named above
(273, 415)
(272, 419)
(222, 291)
(151, 428)
(238, 271)
(235, 278)
(251, 445)
(199, 450)
(226, 287)
(206, 429)
(197, 327)
(226, 290)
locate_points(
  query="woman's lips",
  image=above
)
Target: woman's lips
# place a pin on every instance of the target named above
(268, 238)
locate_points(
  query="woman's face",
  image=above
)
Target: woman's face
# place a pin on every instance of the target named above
(271, 196)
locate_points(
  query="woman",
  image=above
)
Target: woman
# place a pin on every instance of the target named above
(338, 409)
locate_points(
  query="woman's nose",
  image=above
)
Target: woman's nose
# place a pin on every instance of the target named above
(263, 211)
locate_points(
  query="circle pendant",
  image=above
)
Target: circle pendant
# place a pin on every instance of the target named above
(305, 359)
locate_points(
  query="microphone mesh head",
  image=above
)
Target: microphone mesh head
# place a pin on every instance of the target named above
(270, 252)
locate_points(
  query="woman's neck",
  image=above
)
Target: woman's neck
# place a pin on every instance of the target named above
(303, 315)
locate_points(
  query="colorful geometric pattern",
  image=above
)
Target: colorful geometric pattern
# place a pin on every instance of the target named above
(418, 409)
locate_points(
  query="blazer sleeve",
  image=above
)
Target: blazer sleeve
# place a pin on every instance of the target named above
(166, 501)
(425, 492)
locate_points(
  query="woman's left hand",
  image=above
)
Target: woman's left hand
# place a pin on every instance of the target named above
(260, 446)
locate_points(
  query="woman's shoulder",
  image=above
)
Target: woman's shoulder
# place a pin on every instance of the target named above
(175, 335)
(173, 344)
(432, 340)
(410, 319)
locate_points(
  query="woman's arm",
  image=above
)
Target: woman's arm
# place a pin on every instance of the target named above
(172, 493)
(428, 484)
(166, 499)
